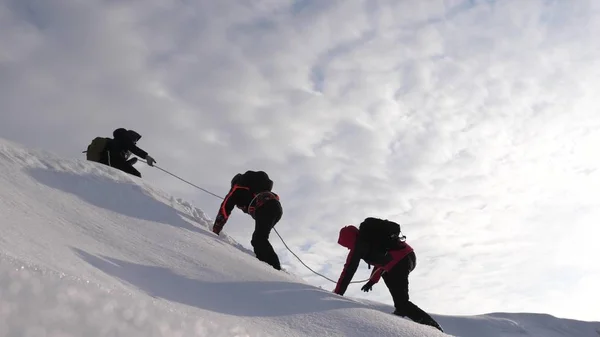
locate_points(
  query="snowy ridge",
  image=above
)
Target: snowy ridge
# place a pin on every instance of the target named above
(87, 250)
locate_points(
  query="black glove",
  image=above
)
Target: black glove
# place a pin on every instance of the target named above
(368, 286)
(132, 161)
(219, 223)
(217, 228)
(150, 161)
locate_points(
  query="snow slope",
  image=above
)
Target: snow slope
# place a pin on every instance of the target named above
(86, 250)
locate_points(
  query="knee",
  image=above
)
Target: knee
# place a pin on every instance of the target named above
(258, 239)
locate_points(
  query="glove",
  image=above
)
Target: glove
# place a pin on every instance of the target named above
(150, 161)
(219, 223)
(132, 161)
(367, 287)
(217, 228)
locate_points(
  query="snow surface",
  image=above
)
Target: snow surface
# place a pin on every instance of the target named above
(86, 250)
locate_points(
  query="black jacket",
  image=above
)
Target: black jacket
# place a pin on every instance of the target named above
(248, 192)
(123, 144)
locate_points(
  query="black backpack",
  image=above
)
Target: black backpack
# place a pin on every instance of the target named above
(380, 233)
(257, 181)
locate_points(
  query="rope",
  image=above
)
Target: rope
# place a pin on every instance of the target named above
(274, 229)
(307, 267)
(198, 187)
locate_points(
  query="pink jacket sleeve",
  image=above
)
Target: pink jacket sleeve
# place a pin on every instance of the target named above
(397, 256)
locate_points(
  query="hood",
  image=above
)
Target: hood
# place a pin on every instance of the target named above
(236, 179)
(122, 133)
(348, 235)
(134, 136)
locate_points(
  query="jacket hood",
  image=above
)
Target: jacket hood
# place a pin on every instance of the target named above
(348, 236)
(134, 136)
(236, 179)
(122, 133)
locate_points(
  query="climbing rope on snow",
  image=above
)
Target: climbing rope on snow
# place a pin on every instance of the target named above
(274, 229)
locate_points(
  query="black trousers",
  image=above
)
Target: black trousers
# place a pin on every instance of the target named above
(266, 217)
(120, 163)
(397, 282)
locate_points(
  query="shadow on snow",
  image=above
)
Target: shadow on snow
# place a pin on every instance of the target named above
(126, 199)
(262, 299)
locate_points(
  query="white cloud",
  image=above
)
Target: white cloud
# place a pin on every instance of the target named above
(473, 123)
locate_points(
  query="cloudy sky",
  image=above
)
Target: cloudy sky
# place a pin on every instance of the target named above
(475, 124)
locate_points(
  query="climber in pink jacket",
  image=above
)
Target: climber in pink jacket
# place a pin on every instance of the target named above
(378, 243)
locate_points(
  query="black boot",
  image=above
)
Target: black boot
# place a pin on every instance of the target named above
(417, 315)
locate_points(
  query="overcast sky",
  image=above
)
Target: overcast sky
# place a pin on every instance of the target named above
(474, 124)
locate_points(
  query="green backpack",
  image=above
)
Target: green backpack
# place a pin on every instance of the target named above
(95, 149)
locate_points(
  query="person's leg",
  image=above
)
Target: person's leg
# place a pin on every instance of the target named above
(124, 166)
(397, 282)
(418, 315)
(266, 217)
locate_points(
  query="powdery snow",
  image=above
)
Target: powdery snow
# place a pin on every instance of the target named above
(87, 250)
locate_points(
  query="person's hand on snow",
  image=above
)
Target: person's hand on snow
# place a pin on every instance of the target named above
(217, 228)
(367, 287)
(150, 160)
(218, 225)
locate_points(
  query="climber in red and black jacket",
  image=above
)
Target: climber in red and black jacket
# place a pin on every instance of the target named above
(378, 242)
(251, 193)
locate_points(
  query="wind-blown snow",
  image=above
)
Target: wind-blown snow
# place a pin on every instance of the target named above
(90, 251)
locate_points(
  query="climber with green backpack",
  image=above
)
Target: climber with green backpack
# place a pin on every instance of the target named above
(115, 152)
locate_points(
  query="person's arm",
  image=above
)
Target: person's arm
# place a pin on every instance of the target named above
(135, 149)
(376, 275)
(350, 267)
(124, 138)
(397, 256)
(227, 206)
